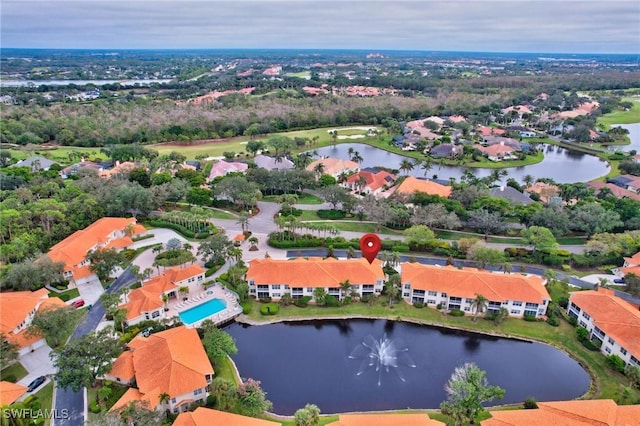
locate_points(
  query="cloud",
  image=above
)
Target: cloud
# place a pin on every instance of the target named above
(497, 25)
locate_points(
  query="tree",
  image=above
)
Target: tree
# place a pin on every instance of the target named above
(555, 218)
(54, 323)
(485, 255)
(406, 166)
(174, 244)
(593, 218)
(418, 235)
(320, 296)
(334, 195)
(238, 190)
(467, 389)
(32, 274)
(224, 391)
(486, 222)
(218, 344)
(345, 288)
(254, 146)
(104, 262)
(633, 374)
(136, 413)
(199, 196)
(540, 238)
(307, 416)
(83, 360)
(479, 305)
(214, 248)
(8, 352)
(633, 284)
(252, 399)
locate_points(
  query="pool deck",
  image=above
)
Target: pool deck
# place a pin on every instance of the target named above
(216, 291)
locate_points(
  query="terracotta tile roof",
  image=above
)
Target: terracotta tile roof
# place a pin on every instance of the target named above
(494, 150)
(421, 419)
(134, 395)
(334, 166)
(122, 367)
(172, 361)
(207, 417)
(457, 118)
(149, 297)
(315, 271)
(615, 190)
(488, 131)
(10, 392)
(222, 167)
(412, 184)
(602, 412)
(124, 167)
(73, 249)
(375, 180)
(613, 315)
(545, 190)
(239, 237)
(468, 282)
(633, 260)
(522, 109)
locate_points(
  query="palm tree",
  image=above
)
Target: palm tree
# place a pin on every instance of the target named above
(406, 166)
(528, 180)
(357, 157)
(479, 304)
(426, 166)
(351, 253)
(163, 399)
(350, 151)
(318, 169)
(243, 221)
(345, 288)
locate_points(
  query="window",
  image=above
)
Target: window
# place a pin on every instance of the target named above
(286, 286)
(263, 287)
(431, 301)
(443, 294)
(200, 277)
(407, 286)
(468, 300)
(515, 312)
(418, 292)
(586, 315)
(433, 293)
(275, 287)
(175, 411)
(584, 324)
(531, 305)
(575, 307)
(634, 360)
(467, 309)
(155, 314)
(405, 295)
(197, 391)
(263, 294)
(608, 349)
(276, 295)
(517, 303)
(309, 289)
(623, 351)
(610, 340)
(173, 400)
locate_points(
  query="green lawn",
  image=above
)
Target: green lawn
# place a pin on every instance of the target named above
(225, 370)
(304, 198)
(605, 381)
(357, 227)
(16, 370)
(456, 235)
(65, 295)
(622, 117)
(45, 396)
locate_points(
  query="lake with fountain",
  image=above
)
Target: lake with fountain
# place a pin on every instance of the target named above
(366, 365)
(559, 164)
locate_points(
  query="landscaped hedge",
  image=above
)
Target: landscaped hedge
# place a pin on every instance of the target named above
(246, 307)
(181, 229)
(142, 237)
(331, 214)
(456, 313)
(302, 302)
(269, 309)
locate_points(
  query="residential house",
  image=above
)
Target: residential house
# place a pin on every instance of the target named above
(120, 168)
(370, 181)
(631, 265)
(445, 150)
(193, 163)
(546, 191)
(497, 152)
(18, 309)
(412, 185)
(454, 288)
(10, 392)
(601, 412)
(583, 109)
(273, 71)
(300, 277)
(74, 168)
(35, 163)
(272, 163)
(418, 127)
(334, 166)
(615, 190)
(495, 140)
(315, 90)
(145, 303)
(385, 419)
(520, 109)
(609, 319)
(524, 132)
(511, 194)
(206, 417)
(105, 233)
(222, 168)
(488, 131)
(457, 118)
(171, 362)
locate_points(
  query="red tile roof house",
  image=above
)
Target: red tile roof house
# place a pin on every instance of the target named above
(610, 319)
(300, 276)
(105, 233)
(631, 265)
(370, 181)
(454, 288)
(146, 302)
(17, 309)
(222, 168)
(207, 417)
(172, 362)
(497, 152)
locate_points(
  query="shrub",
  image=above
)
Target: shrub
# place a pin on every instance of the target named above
(264, 300)
(94, 407)
(246, 307)
(553, 321)
(331, 214)
(302, 302)
(616, 363)
(365, 299)
(142, 237)
(269, 309)
(331, 301)
(582, 333)
(346, 300)
(290, 212)
(530, 403)
(563, 302)
(418, 305)
(456, 313)
(530, 318)
(401, 248)
(573, 321)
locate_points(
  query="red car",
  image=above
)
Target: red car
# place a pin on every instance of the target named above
(78, 303)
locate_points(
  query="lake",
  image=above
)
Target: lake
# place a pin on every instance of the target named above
(559, 164)
(319, 362)
(634, 137)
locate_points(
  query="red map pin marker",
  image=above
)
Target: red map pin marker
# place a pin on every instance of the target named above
(370, 245)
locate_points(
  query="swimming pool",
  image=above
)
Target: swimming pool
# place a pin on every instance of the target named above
(202, 311)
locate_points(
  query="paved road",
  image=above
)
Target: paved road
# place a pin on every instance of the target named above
(74, 402)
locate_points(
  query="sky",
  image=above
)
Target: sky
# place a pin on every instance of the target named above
(555, 26)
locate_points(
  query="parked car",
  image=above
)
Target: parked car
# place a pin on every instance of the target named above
(36, 383)
(618, 281)
(78, 303)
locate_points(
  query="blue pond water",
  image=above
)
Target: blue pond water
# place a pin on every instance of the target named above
(202, 311)
(327, 363)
